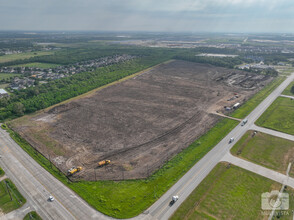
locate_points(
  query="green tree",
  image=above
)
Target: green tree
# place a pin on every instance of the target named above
(18, 108)
(292, 89)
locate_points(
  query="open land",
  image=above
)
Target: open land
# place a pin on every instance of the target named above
(26, 55)
(287, 91)
(137, 124)
(267, 150)
(38, 65)
(279, 116)
(8, 75)
(229, 192)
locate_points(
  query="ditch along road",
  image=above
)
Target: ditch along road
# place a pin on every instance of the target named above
(36, 184)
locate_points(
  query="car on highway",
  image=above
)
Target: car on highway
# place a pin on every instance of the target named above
(51, 198)
(231, 140)
(244, 122)
(174, 199)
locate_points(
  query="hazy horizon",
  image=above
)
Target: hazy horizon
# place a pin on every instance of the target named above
(200, 16)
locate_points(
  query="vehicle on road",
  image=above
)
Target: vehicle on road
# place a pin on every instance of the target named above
(244, 122)
(174, 199)
(51, 198)
(231, 140)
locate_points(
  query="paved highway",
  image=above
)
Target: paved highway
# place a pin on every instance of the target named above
(183, 188)
(36, 184)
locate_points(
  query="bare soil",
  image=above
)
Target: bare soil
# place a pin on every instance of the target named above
(140, 123)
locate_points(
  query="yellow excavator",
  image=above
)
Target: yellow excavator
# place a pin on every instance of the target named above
(103, 162)
(73, 170)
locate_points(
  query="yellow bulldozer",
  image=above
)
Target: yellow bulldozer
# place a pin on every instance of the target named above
(73, 170)
(103, 162)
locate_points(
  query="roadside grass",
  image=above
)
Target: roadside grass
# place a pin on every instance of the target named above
(3, 86)
(32, 216)
(8, 75)
(255, 100)
(20, 56)
(129, 198)
(38, 65)
(266, 150)
(287, 91)
(2, 173)
(228, 193)
(279, 116)
(6, 204)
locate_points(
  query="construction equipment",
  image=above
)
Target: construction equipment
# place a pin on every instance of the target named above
(103, 162)
(73, 170)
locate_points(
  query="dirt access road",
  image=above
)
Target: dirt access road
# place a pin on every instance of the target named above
(140, 123)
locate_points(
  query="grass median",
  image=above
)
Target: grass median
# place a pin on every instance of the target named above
(10, 197)
(254, 101)
(32, 216)
(279, 116)
(287, 91)
(126, 199)
(229, 192)
(266, 150)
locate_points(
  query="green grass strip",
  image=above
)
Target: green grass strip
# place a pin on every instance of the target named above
(129, 198)
(32, 216)
(287, 91)
(6, 204)
(279, 116)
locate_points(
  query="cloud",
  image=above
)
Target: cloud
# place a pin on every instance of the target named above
(149, 15)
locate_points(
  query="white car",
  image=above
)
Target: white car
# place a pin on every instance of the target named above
(244, 122)
(174, 199)
(51, 198)
(231, 140)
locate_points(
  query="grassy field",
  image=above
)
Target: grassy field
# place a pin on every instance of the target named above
(6, 204)
(228, 193)
(3, 86)
(20, 56)
(287, 91)
(125, 199)
(8, 75)
(251, 104)
(38, 65)
(269, 151)
(32, 216)
(279, 116)
(2, 173)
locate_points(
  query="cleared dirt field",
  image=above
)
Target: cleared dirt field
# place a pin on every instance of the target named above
(140, 123)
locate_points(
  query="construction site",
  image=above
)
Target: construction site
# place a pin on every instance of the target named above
(135, 126)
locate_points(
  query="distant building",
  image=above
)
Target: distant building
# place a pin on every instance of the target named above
(3, 93)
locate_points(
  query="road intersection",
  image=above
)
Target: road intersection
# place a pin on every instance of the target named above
(36, 184)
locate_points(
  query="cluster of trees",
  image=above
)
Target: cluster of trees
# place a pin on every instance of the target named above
(223, 62)
(41, 96)
(292, 89)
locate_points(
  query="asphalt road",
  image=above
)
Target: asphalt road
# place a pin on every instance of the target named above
(183, 188)
(262, 171)
(36, 184)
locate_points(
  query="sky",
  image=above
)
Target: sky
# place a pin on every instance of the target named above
(238, 16)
